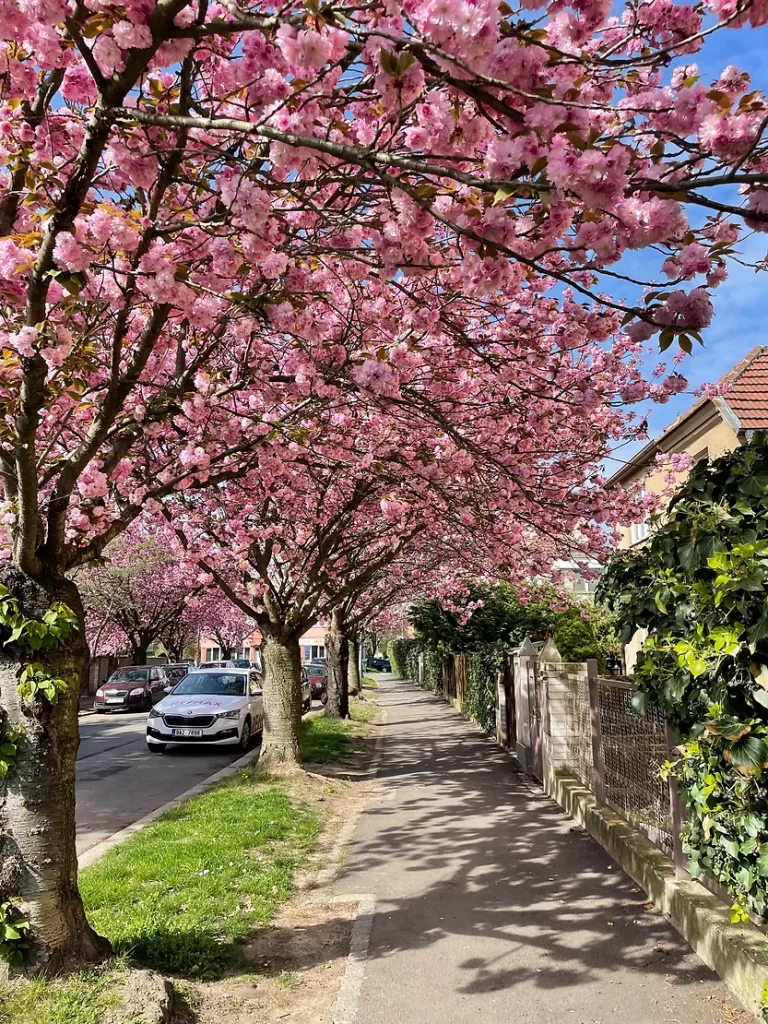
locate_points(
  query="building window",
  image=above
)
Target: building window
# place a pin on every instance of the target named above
(307, 652)
(212, 654)
(638, 532)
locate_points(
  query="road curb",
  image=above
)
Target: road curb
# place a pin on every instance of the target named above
(348, 997)
(89, 857)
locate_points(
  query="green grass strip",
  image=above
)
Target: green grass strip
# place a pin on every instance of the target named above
(82, 998)
(182, 894)
(329, 740)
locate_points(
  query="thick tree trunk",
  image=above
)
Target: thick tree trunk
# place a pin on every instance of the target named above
(281, 667)
(140, 655)
(337, 652)
(38, 862)
(353, 671)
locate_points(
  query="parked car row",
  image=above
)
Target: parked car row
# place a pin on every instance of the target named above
(219, 704)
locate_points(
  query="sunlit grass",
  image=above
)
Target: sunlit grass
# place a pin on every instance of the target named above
(182, 894)
(325, 740)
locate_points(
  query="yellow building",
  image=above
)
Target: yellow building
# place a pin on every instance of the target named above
(710, 428)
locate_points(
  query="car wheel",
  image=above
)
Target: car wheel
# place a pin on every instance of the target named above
(156, 748)
(245, 735)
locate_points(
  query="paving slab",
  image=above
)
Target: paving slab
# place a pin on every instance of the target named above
(490, 905)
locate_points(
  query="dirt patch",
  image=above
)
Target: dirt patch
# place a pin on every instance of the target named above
(145, 998)
(296, 963)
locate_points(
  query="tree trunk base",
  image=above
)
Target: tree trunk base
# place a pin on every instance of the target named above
(38, 859)
(281, 741)
(272, 764)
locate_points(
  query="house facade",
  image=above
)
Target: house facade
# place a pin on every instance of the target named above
(312, 645)
(709, 429)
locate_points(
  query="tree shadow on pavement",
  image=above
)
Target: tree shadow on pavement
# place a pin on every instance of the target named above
(472, 850)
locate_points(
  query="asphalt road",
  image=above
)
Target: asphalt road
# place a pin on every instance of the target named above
(119, 781)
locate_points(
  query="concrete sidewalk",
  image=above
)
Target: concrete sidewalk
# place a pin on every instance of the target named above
(491, 906)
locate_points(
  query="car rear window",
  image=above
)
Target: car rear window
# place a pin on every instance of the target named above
(130, 675)
(224, 684)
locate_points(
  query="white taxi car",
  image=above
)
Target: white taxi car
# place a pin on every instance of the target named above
(210, 705)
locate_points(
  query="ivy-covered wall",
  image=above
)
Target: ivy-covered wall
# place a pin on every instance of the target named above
(699, 588)
(483, 672)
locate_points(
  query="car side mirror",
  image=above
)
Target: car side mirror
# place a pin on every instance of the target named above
(168, 688)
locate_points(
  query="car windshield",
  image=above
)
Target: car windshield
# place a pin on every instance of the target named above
(316, 670)
(225, 684)
(130, 675)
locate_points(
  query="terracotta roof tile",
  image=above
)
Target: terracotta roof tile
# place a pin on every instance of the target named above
(748, 393)
(747, 397)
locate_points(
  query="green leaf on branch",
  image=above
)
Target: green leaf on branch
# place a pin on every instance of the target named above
(750, 752)
(639, 702)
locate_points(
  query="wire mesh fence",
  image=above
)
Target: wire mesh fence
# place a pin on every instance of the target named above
(595, 735)
(633, 750)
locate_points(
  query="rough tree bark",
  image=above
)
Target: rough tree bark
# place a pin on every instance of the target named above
(353, 671)
(140, 655)
(281, 667)
(337, 652)
(38, 862)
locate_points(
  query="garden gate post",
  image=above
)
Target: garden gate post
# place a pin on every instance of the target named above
(598, 774)
(676, 810)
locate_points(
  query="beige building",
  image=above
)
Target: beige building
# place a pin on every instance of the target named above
(710, 428)
(312, 646)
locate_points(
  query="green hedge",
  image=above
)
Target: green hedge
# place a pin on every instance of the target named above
(483, 667)
(433, 671)
(404, 655)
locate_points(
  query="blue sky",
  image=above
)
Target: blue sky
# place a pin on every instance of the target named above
(741, 309)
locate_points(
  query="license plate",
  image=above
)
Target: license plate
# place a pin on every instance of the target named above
(186, 732)
(115, 700)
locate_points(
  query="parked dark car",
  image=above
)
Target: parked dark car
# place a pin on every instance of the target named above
(176, 672)
(306, 691)
(318, 683)
(133, 687)
(379, 664)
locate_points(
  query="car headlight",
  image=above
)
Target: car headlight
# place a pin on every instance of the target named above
(136, 691)
(154, 714)
(229, 714)
(99, 692)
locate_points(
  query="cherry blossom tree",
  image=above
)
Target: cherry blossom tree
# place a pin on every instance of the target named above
(223, 225)
(417, 568)
(217, 617)
(142, 591)
(500, 146)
